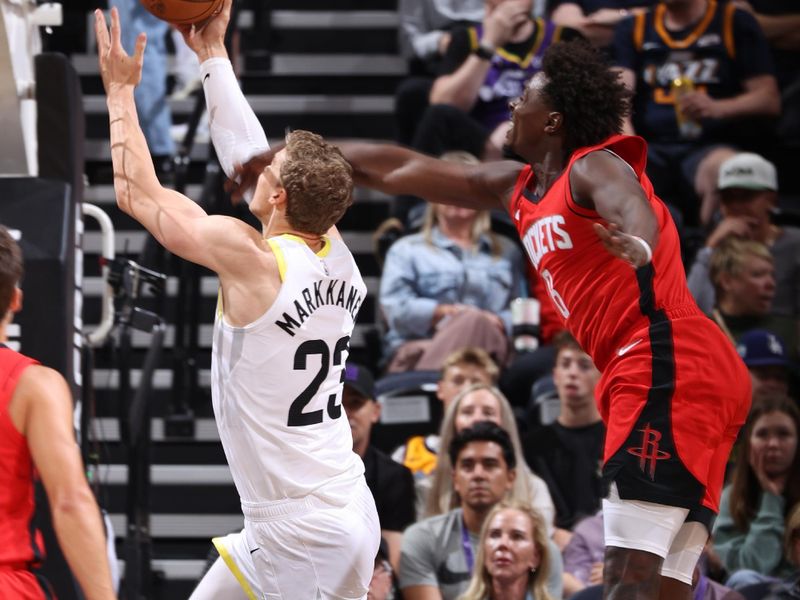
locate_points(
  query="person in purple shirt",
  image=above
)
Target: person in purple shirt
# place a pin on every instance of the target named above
(485, 67)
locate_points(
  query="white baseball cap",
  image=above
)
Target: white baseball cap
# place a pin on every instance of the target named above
(749, 171)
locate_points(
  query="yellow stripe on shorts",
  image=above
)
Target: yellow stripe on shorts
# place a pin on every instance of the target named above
(219, 544)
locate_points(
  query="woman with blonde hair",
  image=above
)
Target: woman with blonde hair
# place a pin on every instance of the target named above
(449, 286)
(482, 402)
(513, 557)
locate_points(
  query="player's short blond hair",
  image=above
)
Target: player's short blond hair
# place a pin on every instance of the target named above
(318, 181)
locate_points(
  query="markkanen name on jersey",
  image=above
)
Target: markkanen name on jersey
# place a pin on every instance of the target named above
(333, 292)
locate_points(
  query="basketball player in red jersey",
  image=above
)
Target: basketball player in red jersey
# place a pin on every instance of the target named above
(36, 433)
(674, 392)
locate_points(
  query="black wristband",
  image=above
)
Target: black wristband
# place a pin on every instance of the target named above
(484, 52)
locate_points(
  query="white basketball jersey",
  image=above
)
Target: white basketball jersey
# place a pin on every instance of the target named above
(276, 383)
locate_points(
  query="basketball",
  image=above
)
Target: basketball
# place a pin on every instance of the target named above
(183, 12)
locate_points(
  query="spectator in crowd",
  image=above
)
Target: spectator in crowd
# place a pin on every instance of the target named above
(789, 587)
(748, 189)
(743, 276)
(583, 555)
(583, 565)
(749, 533)
(438, 553)
(780, 22)
(152, 106)
(391, 484)
(485, 68)
(764, 353)
(477, 403)
(719, 52)
(424, 35)
(461, 369)
(447, 287)
(513, 557)
(425, 28)
(568, 453)
(595, 19)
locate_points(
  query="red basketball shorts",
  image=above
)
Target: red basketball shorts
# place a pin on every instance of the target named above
(673, 399)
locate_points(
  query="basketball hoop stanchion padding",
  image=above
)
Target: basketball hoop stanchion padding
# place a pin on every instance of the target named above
(48, 328)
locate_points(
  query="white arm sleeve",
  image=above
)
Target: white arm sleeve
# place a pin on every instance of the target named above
(235, 131)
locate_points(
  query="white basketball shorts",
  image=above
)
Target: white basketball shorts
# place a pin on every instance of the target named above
(306, 548)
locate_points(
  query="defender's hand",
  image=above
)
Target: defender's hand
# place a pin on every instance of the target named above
(246, 175)
(118, 70)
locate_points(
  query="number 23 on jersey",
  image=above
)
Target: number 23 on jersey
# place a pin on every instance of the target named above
(298, 418)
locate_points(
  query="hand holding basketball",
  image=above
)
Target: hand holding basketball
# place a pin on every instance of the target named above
(183, 12)
(209, 40)
(117, 69)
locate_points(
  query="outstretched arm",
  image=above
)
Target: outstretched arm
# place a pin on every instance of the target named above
(397, 170)
(604, 182)
(177, 222)
(42, 406)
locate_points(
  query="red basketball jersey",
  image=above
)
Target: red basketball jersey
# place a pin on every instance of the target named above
(19, 541)
(597, 295)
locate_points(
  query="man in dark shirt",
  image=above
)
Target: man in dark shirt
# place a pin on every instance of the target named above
(568, 453)
(721, 50)
(391, 484)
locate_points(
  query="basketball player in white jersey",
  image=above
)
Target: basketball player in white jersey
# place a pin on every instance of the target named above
(288, 300)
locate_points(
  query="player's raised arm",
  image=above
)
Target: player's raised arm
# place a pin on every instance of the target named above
(397, 170)
(236, 133)
(394, 169)
(177, 222)
(606, 183)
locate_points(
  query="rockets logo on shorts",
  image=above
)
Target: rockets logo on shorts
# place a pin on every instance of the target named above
(648, 452)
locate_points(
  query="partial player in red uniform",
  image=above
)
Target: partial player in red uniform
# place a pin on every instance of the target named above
(673, 393)
(36, 434)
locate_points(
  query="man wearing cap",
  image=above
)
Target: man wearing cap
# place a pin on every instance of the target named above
(764, 354)
(748, 186)
(391, 484)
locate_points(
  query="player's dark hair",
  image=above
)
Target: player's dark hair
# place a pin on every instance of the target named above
(581, 86)
(11, 269)
(483, 431)
(318, 182)
(745, 494)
